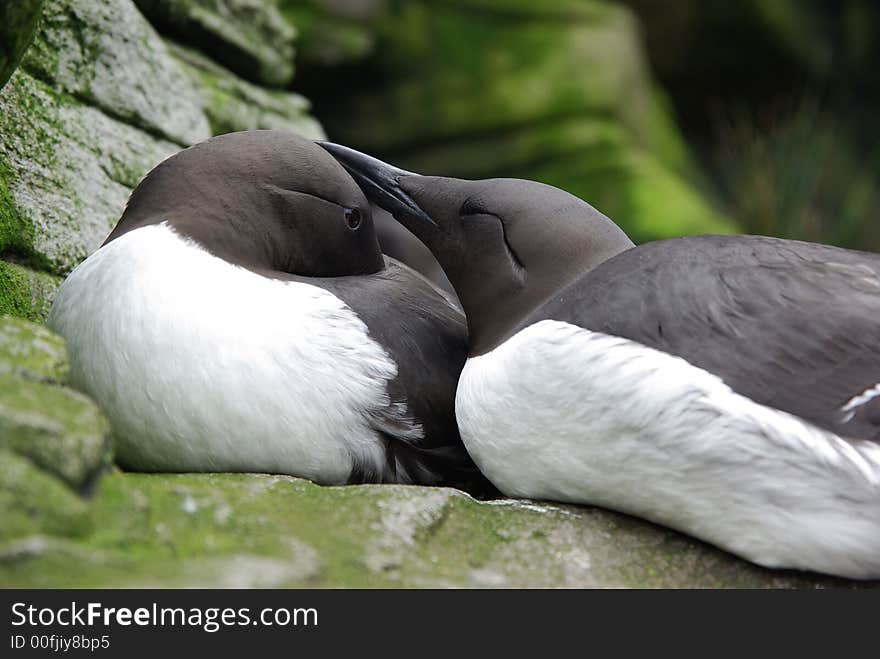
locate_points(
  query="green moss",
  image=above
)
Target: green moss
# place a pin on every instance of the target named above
(31, 351)
(73, 169)
(33, 502)
(29, 135)
(233, 104)
(16, 231)
(56, 428)
(26, 293)
(251, 529)
(64, 48)
(560, 93)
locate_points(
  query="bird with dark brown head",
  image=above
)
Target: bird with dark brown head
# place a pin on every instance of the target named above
(241, 317)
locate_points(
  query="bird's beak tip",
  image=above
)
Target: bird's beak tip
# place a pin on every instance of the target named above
(379, 181)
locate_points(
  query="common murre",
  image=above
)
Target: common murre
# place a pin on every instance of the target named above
(725, 386)
(241, 317)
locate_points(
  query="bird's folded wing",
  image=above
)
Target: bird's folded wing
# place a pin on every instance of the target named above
(791, 325)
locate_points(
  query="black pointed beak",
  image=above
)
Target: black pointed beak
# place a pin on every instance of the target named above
(379, 181)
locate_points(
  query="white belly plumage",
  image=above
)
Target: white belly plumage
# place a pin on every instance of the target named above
(201, 365)
(559, 412)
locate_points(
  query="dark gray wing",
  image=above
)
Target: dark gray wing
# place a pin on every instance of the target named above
(791, 325)
(425, 333)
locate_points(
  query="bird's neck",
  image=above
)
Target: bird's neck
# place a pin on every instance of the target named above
(496, 312)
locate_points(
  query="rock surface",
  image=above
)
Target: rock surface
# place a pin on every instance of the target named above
(58, 430)
(251, 530)
(248, 36)
(26, 293)
(232, 103)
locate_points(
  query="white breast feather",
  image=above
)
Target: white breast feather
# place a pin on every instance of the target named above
(204, 366)
(560, 412)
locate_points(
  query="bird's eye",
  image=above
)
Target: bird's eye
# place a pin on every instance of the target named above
(470, 207)
(352, 218)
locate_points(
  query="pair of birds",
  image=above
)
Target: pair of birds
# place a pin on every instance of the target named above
(241, 317)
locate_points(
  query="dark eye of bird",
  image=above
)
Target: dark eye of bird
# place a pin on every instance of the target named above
(352, 218)
(469, 207)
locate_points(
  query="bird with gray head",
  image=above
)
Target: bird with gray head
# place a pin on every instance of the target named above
(725, 386)
(241, 317)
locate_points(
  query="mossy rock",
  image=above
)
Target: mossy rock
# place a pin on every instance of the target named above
(249, 37)
(53, 441)
(26, 293)
(57, 429)
(32, 352)
(96, 103)
(251, 530)
(106, 55)
(67, 171)
(233, 104)
(35, 503)
(18, 21)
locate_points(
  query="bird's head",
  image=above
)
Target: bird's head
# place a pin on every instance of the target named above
(507, 245)
(268, 200)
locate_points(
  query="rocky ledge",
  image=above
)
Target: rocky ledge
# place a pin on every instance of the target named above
(72, 519)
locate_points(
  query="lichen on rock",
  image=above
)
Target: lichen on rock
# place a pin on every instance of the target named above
(96, 103)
